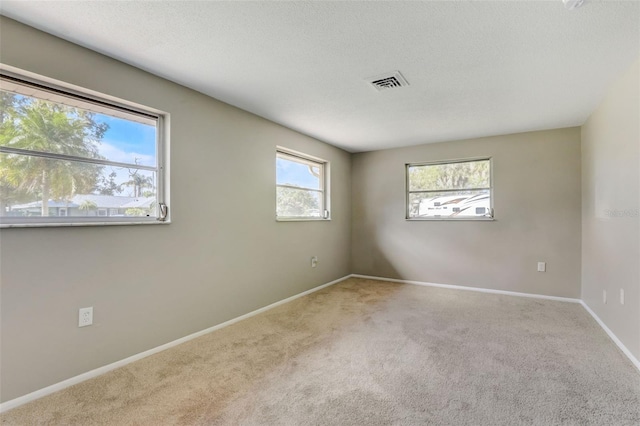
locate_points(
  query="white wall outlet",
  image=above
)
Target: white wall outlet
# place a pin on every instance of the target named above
(542, 266)
(314, 261)
(622, 296)
(85, 317)
(604, 296)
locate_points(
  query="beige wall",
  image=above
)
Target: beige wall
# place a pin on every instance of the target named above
(224, 254)
(537, 210)
(610, 203)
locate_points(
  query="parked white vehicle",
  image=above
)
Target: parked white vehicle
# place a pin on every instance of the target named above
(478, 205)
(440, 206)
(459, 205)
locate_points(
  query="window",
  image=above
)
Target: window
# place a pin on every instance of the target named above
(301, 186)
(62, 147)
(459, 189)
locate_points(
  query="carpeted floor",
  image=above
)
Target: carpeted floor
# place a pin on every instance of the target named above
(371, 353)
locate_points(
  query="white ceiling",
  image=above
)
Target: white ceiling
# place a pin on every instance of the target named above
(475, 68)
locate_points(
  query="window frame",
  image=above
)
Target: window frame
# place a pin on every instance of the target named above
(101, 103)
(324, 165)
(408, 192)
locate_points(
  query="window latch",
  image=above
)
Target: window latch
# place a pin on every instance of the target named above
(326, 214)
(164, 211)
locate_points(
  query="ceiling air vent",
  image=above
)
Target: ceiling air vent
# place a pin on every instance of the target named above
(390, 80)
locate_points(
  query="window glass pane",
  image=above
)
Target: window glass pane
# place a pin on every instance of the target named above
(460, 204)
(71, 155)
(302, 174)
(433, 177)
(127, 142)
(35, 186)
(65, 127)
(292, 202)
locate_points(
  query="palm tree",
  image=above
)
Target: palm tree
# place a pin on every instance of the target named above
(86, 206)
(138, 181)
(43, 126)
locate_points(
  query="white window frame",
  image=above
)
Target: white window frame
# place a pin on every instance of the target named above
(113, 212)
(324, 167)
(101, 103)
(408, 192)
(102, 213)
(61, 209)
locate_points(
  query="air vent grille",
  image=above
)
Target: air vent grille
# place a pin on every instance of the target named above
(391, 80)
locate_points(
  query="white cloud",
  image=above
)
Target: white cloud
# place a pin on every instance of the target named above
(113, 153)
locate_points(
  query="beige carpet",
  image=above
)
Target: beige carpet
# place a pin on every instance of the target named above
(371, 353)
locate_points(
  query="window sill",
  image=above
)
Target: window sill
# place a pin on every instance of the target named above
(79, 224)
(302, 219)
(450, 219)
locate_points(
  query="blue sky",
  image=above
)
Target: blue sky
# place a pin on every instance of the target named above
(125, 141)
(291, 173)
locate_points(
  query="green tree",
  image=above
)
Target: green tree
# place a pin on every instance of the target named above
(473, 174)
(8, 104)
(38, 125)
(9, 194)
(294, 202)
(107, 185)
(135, 212)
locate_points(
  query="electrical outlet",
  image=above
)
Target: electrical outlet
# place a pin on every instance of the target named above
(604, 296)
(314, 261)
(542, 266)
(622, 296)
(85, 316)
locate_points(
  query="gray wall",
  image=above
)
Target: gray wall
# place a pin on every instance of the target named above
(224, 254)
(536, 180)
(610, 203)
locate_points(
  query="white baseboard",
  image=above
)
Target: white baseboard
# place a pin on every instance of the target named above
(613, 337)
(606, 329)
(480, 290)
(5, 406)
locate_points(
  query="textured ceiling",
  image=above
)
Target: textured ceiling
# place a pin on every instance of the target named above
(475, 68)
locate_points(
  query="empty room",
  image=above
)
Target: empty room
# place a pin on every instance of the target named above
(320, 213)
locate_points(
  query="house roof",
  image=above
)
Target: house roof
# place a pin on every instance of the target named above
(102, 201)
(139, 203)
(38, 204)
